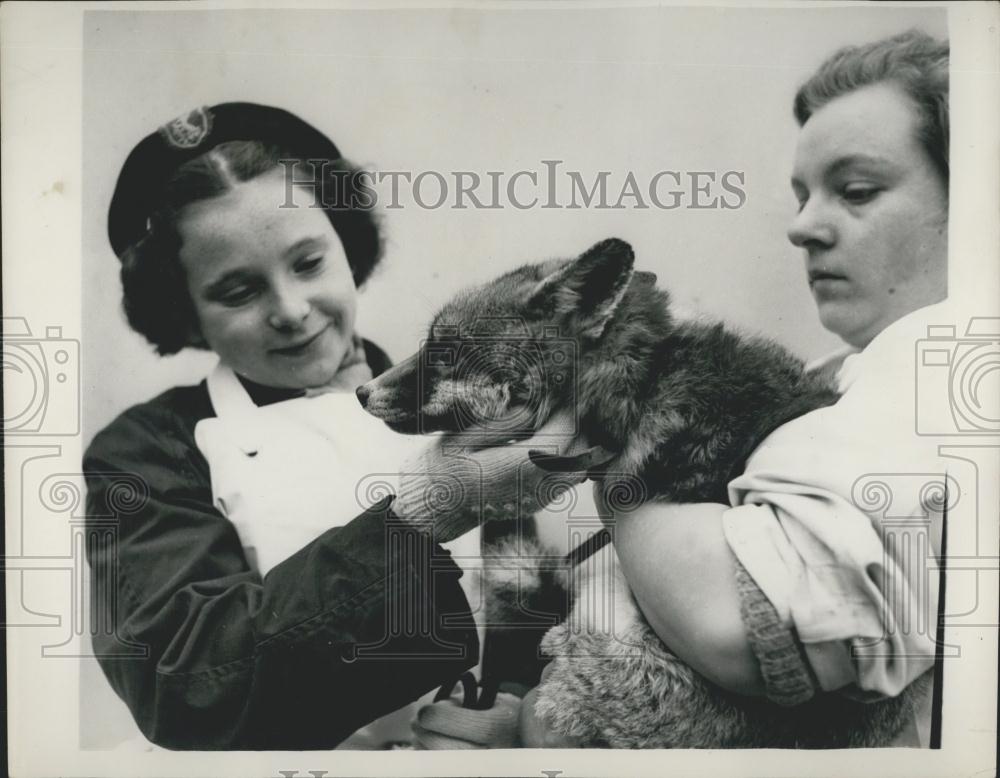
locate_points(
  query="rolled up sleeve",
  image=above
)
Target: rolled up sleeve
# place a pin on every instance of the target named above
(823, 563)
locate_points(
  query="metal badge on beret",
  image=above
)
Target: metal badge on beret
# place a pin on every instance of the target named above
(156, 158)
(187, 131)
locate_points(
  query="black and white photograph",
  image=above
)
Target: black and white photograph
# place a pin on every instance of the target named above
(613, 389)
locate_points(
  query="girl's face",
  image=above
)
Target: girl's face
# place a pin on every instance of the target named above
(873, 214)
(271, 284)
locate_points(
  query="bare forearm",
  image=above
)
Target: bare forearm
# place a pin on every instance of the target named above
(681, 570)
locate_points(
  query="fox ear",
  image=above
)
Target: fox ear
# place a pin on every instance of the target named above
(589, 287)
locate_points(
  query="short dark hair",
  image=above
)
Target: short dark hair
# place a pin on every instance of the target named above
(915, 61)
(156, 299)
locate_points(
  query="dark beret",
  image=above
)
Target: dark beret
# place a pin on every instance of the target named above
(153, 162)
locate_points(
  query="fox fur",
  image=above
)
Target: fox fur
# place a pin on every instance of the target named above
(617, 685)
(672, 410)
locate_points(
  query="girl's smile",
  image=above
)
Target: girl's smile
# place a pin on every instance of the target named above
(303, 347)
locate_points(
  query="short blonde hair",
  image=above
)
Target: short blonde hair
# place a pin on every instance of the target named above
(914, 60)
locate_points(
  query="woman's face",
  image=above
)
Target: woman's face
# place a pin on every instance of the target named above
(873, 214)
(271, 285)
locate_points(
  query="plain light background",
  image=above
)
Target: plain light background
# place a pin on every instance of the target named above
(630, 89)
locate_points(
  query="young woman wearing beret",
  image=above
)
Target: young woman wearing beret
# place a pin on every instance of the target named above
(255, 596)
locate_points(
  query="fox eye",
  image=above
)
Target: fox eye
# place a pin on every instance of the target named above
(440, 357)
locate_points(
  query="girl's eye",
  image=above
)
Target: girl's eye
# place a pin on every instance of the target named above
(859, 194)
(309, 264)
(237, 296)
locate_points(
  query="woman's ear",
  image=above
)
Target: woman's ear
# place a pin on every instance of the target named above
(587, 289)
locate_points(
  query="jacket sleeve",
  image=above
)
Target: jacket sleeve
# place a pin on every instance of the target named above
(364, 619)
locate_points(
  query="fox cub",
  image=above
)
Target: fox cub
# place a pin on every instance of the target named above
(672, 411)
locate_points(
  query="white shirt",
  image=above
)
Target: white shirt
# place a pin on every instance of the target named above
(838, 520)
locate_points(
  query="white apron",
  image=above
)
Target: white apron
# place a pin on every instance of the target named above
(285, 473)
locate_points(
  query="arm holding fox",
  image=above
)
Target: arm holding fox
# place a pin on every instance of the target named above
(680, 569)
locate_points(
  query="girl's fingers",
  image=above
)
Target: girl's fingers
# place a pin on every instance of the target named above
(434, 741)
(495, 727)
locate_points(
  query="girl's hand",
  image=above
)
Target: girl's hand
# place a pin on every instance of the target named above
(466, 478)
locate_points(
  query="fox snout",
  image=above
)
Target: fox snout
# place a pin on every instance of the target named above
(363, 392)
(393, 396)
(433, 400)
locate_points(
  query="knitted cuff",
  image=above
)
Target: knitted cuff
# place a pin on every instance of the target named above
(787, 676)
(417, 503)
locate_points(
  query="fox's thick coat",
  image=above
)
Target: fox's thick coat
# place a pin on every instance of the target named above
(673, 410)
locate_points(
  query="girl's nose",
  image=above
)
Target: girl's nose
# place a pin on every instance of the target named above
(811, 227)
(288, 310)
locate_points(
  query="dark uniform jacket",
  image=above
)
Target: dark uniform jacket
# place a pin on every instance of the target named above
(207, 655)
